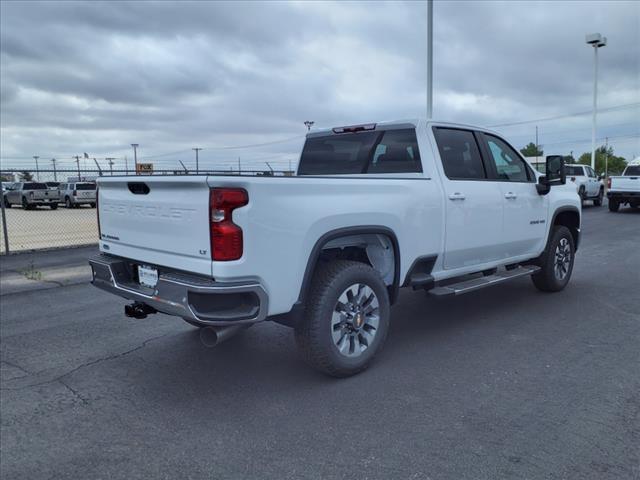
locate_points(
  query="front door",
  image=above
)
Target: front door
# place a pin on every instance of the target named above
(473, 213)
(525, 211)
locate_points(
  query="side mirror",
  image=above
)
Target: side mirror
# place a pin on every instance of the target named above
(554, 174)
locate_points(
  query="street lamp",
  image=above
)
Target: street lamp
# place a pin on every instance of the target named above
(308, 124)
(596, 41)
(135, 156)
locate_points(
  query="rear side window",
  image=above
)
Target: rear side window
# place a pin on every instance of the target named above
(460, 154)
(85, 186)
(35, 186)
(632, 171)
(385, 151)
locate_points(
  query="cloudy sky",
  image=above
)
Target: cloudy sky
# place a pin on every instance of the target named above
(95, 77)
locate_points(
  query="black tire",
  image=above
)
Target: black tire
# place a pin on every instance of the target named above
(6, 203)
(67, 202)
(53, 206)
(315, 334)
(598, 200)
(25, 204)
(549, 278)
(582, 194)
(614, 205)
(92, 205)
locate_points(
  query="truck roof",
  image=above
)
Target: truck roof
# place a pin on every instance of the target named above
(410, 122)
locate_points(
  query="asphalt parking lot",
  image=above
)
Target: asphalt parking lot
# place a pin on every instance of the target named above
(501, 383)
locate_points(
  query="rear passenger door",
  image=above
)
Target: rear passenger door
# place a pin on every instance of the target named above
(473, 202)
(525, 211)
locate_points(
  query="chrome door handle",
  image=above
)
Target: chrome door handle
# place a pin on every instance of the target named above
(456, 196)
(510, 195)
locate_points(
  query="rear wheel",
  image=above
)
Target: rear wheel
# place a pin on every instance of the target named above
(347, 318)
(67, 202)
(7, 204)
(556, 262)
(614, 205)
(25, 204)
(92, 205)
(581, 193)
(53, 206)
(598, 200)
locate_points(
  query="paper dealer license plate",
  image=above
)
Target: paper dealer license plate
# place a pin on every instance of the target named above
(147, 276)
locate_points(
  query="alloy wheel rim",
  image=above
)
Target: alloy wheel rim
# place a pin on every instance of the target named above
(355, 320)
(562, 259)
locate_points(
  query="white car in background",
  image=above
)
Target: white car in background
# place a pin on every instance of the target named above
(588, 185)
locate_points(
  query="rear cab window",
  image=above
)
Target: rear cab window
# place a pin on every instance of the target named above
(632, 171)
(573, 171)
(364, 152)
(35, 186)
(85, 186)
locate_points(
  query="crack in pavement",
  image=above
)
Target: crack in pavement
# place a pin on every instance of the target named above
(84, 365)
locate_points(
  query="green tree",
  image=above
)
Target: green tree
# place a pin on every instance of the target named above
(531, 150)
(605, 158)
(25, 176)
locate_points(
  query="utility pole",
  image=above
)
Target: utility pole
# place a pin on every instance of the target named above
(97, 165)
(55, 176)
(596, 41)
(537, 144)
(126, 165)
(197, 166)
(239, 166)
(110, 160)
(606, 157)
(429, 59)
(37, 170)
(77, 157)
(135, 155)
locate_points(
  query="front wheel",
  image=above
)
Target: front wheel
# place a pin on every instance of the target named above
(614, 205)
(53, 206)
(67, 202)
(598, 200)
(92, 205)
(347, 318)
(25, 204)
(556, 262)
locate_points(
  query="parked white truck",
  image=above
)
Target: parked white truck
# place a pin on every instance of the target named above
(372, 208)
(625, 188)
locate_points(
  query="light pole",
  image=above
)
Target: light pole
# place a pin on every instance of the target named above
(135, 156)
(197, 166)
(55, 176)
(596, 41)
(37, 170)
(429, 59)
(308, 124)
(77, 157)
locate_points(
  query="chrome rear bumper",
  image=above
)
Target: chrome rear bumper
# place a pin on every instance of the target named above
(188, 296)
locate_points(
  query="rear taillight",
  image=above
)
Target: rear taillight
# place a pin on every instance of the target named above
(608, 182)
(226, 236)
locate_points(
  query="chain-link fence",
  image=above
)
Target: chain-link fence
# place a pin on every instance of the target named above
(56, 208)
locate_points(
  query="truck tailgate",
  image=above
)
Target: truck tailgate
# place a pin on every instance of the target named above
(158, 220)
(625, 184)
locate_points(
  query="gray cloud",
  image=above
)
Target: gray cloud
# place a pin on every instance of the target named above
(96, 76)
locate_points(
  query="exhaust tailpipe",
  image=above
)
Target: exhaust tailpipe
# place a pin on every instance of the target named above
(138, 310)
(212, 336)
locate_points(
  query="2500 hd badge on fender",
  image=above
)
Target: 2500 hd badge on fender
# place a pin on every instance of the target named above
(372, 208)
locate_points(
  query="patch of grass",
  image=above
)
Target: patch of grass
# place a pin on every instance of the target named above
(31, 273)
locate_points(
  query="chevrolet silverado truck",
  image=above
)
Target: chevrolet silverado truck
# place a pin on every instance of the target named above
(624, 189)
(372, 208)
(31, 195)
(587, 183)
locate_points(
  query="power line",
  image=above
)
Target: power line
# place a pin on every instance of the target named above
(559, 117)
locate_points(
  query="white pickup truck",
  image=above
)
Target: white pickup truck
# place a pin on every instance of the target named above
(625, 188)
(372, 208)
